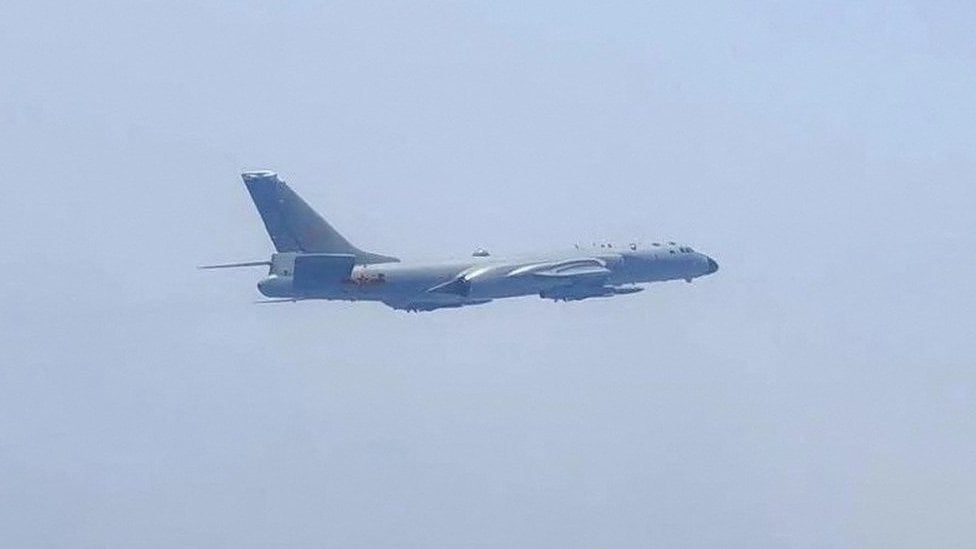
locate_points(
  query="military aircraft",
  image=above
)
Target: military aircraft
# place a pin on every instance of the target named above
(313, 261)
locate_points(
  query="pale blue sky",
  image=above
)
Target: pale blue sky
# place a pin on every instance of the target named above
(817, 392)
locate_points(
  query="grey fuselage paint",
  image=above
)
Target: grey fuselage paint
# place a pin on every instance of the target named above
(408, 285)
(330, 267)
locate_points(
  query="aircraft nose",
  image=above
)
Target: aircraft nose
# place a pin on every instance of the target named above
(712, 266)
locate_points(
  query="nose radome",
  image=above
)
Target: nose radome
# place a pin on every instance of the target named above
(712, 266)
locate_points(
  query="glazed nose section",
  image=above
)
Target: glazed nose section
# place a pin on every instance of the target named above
(712, 265)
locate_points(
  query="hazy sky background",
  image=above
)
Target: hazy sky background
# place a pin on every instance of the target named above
(818, 391)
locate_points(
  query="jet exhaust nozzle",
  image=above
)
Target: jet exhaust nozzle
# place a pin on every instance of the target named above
(276, 286)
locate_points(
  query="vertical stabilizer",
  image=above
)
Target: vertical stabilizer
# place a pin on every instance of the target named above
(293, 225)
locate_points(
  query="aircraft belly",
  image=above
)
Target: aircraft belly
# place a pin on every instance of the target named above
(394, 284)
(502, 288)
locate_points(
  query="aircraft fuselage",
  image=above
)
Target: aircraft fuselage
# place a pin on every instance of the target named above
(314, 261)
(426, 285)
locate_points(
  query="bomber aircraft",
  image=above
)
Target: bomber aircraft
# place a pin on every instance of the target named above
(313, 261)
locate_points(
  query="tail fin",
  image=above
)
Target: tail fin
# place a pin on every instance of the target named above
(294, 226)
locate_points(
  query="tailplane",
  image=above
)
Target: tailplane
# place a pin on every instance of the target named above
(294, 226)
